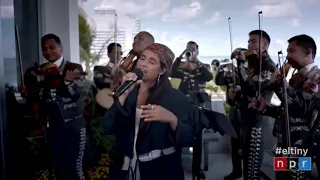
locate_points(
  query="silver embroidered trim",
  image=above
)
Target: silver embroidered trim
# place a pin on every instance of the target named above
(297, 120)
(253, 158)
(299, 128)
(79, 162)
(307, 95)
(297, 175)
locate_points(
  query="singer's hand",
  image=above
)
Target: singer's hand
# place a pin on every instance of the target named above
(130, 77)
(157, 113)
(258, 104)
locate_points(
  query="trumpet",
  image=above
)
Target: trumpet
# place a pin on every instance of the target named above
(187, 55)
(226, 62)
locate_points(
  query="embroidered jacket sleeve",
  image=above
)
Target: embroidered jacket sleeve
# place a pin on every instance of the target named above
(222, 78)
(204, 72)
(74, 88)
(117, 118)
(299, 104)
(267, 70)
(176, 71)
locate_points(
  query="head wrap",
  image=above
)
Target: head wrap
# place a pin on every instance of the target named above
(164, 53)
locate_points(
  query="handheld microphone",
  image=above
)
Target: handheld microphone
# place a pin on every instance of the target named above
(121, 89)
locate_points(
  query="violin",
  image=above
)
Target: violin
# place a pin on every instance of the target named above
(52, 78)
(251, 55)
(254, 59)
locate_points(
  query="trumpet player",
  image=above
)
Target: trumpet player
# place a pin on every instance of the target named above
(301, 52)
(253, 81)
(194, 75)
(227, 75)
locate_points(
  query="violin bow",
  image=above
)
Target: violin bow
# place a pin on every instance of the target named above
(285, 98)
(19, 55)
(116, 39)
(260, 52)
(231, 46)
(115, 35)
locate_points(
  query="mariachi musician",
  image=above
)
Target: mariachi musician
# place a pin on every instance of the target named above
(301, 109)
(313, 143)
(59, 83)
(227, 75)
(250, 85)
(194, 75)
(102, 74)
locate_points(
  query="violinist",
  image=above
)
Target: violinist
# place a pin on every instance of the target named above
(252, 128)
(102, 74)
(194, 75)
(225, 77)
(142, 40)
(314, 146)
(301, 53)
(60, 108)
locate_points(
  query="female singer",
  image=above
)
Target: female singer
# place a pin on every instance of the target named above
(150, 121)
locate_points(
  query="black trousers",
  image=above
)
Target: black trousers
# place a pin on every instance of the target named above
(67, 146)
(235, 142)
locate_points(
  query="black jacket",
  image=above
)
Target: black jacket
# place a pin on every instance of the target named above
(158, 136)
(192, 81)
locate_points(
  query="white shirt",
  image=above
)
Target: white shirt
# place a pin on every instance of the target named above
(126, 163)
(110, 64)
(304, 71)
(59, 61)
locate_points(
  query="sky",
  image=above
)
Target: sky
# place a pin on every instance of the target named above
(175, 22)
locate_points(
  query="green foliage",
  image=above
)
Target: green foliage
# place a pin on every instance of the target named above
(212, 87)
(223, 88)
(227, 108)
(94, 119)
(85, 39)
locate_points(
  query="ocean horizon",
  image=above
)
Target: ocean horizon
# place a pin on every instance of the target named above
(208, 59)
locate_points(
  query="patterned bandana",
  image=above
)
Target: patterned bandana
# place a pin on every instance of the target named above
(165, 54)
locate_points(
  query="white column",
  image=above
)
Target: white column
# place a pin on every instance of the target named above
(60, 17)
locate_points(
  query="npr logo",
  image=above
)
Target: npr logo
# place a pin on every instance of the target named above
(289, 163)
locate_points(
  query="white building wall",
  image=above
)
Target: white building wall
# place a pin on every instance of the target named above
(60, 17)
(128, 26)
